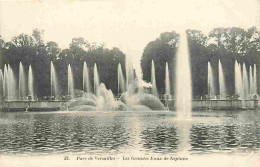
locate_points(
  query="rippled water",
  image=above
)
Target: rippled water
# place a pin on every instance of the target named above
(125, 132)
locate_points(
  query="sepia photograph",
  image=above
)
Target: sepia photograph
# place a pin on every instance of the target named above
(89, 83)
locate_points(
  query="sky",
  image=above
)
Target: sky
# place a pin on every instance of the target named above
(126, 24)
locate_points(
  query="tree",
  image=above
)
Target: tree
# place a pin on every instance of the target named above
(53, 50)
(161, 50)
(225, 44)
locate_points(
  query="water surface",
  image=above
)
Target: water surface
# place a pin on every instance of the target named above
(154, 132)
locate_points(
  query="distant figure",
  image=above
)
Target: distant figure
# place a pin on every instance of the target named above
(29, 97)
(167, 96)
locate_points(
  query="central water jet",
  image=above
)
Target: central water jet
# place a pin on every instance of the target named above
(183, 81)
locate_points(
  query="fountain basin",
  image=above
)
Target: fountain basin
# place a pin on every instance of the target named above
(33, 105)
(217, 104)
(171, 104)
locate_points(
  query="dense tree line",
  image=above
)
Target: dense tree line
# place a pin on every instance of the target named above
(225, 44)
(32, 50)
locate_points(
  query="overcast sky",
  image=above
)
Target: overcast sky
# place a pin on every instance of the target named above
(127, 24)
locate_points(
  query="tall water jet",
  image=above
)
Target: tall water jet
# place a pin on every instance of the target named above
(183, 80)
(86, 81)
(11, 94)
(5, 84)
(121, 80)
(251, 82)
(238, 80)
(211, 87)
(222, 83)
(255, 80)
(245, 83)
(130, 76)
(167, 80)
(70, 82)
(30, 82)
(126, 72)
(96, 80)
(22, 87)
(153, 80)
(54, 82)
(1, 84)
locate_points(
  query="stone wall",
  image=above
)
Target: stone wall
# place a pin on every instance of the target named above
(217, 104)
(33, 105)
(196, 105)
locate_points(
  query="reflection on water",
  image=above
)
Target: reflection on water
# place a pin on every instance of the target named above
(61, 133)
(161, 139)
(118, 132)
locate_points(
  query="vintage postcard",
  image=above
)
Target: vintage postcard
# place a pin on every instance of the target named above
(130, 83)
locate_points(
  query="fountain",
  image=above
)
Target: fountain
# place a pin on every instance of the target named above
(121, 80)
(251, 82)
(1, 84)
(30, 83)
(130, 77)
(183, 81)
(238, 80)
(22, 87)
(153, 80)
(222, 83)
(5, 82)
(255, 80)
(70, 82)
(54, 82)
(96, 80)
(9, 82)
(245, 83)
(167, 80)
(103, 100)
(211, 87)
(86, 81)
(133, 97)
